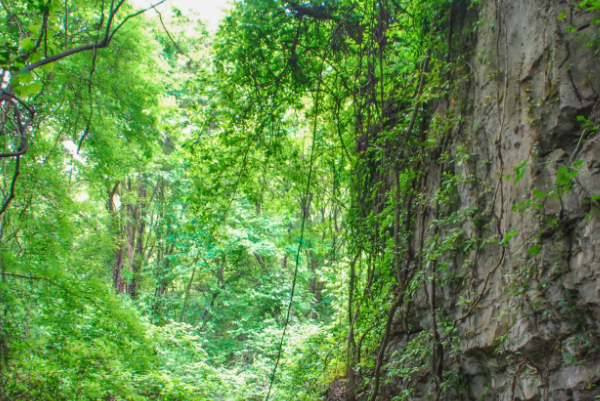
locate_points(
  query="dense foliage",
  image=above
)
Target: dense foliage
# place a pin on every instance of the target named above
(190, 216)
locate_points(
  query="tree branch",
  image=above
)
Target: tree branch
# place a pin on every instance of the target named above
(39, 41)
(108, 36)
(20, 127)
(11, 195)
(168, 33)
(132, 16)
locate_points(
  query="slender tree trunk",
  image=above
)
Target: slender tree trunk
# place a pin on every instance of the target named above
(131, 212)
(221, 287)
(138, 255)
(187, 292)
(115, 228)
(351, 347)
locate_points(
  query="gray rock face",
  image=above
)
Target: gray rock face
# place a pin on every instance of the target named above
(534, 333)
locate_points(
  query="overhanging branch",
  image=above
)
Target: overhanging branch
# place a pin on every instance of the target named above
(108, 36)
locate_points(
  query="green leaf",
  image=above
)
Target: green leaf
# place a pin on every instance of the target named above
(27, 44)
(508, 236)
(35, 88)
(520, 170)
(35, 57)
(562, 15)
(29, 90)
(25, 77)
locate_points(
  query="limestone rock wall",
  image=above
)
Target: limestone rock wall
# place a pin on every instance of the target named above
(528, 313)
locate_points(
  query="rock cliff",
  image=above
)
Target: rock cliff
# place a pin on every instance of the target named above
(515, 316)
